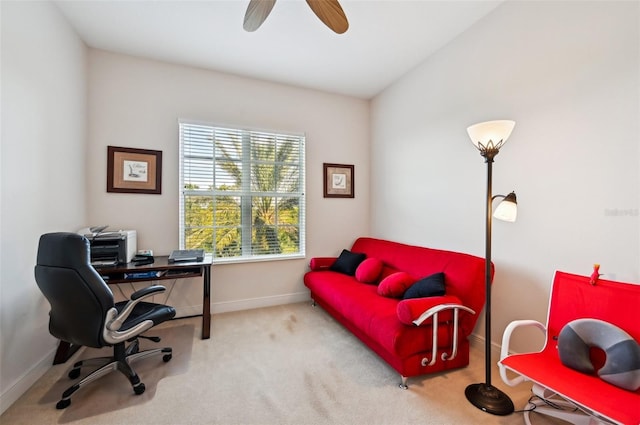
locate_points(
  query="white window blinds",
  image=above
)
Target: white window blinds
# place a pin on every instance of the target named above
(242, 192)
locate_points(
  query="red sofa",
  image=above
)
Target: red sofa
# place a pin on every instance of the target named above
(399, 330)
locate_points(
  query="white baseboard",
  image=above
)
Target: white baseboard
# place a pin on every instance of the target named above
(251, 303)
(15, 391)
(477, 341)
(246, 304)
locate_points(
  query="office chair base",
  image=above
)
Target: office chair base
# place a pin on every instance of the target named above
(120, 361)
(63, 404)
(139, 389)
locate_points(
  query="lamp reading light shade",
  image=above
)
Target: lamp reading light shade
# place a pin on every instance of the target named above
(507, 209)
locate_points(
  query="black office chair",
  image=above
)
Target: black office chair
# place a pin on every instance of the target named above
(83, 311)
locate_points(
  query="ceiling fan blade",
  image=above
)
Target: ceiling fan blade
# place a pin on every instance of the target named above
(330, 12)
(257, 12)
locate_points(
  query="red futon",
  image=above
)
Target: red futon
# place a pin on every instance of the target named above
(415, 335)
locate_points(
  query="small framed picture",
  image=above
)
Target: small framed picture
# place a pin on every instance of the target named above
(131, 170)
(338, 181)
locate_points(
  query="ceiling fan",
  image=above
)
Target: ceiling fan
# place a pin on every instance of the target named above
(329, 12)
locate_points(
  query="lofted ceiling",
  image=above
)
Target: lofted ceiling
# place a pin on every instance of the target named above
(385, 39)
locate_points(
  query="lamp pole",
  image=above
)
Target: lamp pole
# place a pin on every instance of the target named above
(485, 396)
(487, 273)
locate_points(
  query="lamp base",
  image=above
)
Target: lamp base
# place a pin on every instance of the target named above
(489, 399)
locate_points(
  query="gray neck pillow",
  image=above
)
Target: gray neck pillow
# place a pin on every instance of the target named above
(622, 366)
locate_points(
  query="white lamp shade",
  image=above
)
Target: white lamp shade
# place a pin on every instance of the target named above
(506, 211)
(494, 131)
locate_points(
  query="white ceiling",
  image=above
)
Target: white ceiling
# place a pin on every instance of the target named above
(386, 38)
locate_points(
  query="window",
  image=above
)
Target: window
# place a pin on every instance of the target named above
(242, 192)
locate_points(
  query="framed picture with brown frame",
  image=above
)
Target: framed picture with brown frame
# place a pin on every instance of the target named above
(131, 170)
(339, 181)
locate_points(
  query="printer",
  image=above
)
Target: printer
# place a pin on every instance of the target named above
(111, 248)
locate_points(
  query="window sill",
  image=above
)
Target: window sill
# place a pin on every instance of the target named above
(236, 260)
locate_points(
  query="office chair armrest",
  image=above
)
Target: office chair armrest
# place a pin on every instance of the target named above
(145, 292)
(117, 321)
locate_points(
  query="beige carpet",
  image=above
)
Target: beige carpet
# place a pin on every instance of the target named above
(289, 364)
(113, 391)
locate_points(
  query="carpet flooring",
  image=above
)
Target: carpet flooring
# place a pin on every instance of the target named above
(290, 364)
(112, 392)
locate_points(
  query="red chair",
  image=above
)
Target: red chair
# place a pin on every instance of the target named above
(561, 391)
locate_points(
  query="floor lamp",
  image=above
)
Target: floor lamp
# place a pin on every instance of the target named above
(489, 137)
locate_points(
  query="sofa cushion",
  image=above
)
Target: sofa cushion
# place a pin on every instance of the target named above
(395, 284)
(465, 274)
(369, 270)
(429, 286)
(348, 262)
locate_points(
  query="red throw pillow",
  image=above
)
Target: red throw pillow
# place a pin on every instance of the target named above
(369, 270)
(394, 285)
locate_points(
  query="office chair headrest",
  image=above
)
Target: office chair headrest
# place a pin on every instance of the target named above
(63, 249)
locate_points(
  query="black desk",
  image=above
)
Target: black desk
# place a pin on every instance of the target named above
(181, 270)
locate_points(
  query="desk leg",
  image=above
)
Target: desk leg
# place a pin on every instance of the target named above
(64, 351)
(206, 303)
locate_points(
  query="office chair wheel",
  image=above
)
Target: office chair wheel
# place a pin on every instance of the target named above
(74, 373)
(167, 357)
(139, 389)
(63, 404)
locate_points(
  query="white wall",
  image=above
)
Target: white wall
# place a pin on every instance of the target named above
(568, 73)
(137, 103)
(42, 175)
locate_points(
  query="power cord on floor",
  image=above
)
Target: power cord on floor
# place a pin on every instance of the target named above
(549, 403)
